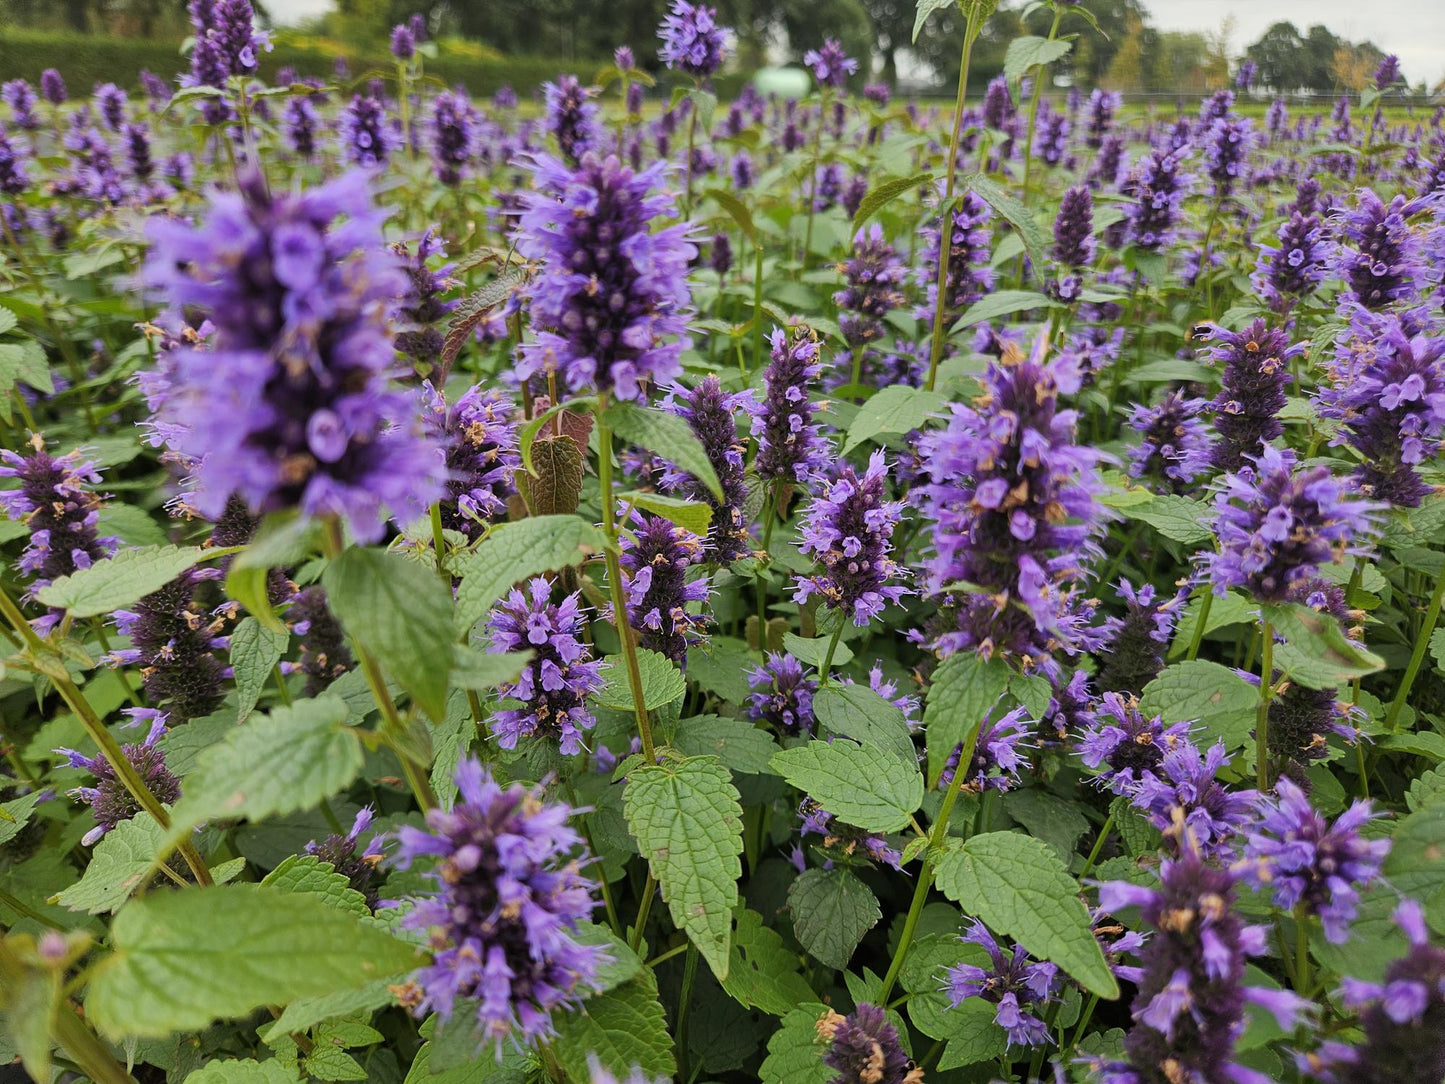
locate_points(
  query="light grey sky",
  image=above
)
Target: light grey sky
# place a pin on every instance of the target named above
(1412, 29)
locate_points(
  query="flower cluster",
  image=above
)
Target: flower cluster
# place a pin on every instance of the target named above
(997, 754)
(1256, 373)
(368, 141)
(571, 117)
(1124, 744)
(174, 640)
(1379, 256)
(790, 448)
(864, 1048)
(324, 654)
(556, 681)
(843, 842)
(1018, 985)
(1183, 794)
(875, 277)
(1136, 654)
(692, 40)
(1158, 187)
(109, 800)
(656, 555)
(1175, 445)
(1293, 268)
(479, 436)
(362, 869)
(784, 696)
(830, 65)
(969, 275)
(712, 415)
(454, 124)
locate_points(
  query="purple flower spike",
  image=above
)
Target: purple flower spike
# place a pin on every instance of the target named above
(1182, 794)
(109, 801)
(849, 529)
(997, 756)
(480, 438)
(1125, 744)
(20, 97)
(1307, 861)
(1136, 654)
(656, 555)
(174, 641)
(784, 696)
(843, 842)
(875, 277)
(864, 1048)
(790, 448)
(556, 682)
(403, 42)
(692, 40)
(1278, 525)
(454, 125)
(1388, 73)
(1158, 186)
(368, 140)
(361, 869)
(292, 406)
(612, 297)
(969, 274)
(425, 305)
(52, 86)
(1019, 986)
(1292, 269)
(830, 65)
(503, 920)
(571, 117)
(1379, 257)
(712, 415)
(1175, 446)
(1256, 373)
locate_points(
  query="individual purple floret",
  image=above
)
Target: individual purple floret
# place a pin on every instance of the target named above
(175, 641)
(610, 302)
(848, 529)
(1256, 373)
(875, 276)
(1388, 392)
(454, 124)
(830, 65)
(864, 1048)
(479, 435)
(556, 681)
(1184, 786)
(403, 42)
(1124, 744)
(1136, 654)
(292, 405)
(1020, 987)
(997, 756)
(1014, 515)
(656, 555)
(1278, 525)
(692, 40)
(425, 304)
(784, 696)
(503, 921)
(368, 142)
(1309, 863)
(843, 842)
(1175, 446)
(1402, 1017)
(712, 415)
(1379, 256)
(1189, 1011)
(52, 86)
(1293, 269)
(969, 274)
(1158, 187)
(790, 448)
(325, 655)
(109, 800)
(361, 870)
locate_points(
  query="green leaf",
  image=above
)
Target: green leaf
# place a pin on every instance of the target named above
(925, 9)
(1316, 652)
(475, 669)
(1047, 817)
(832, 910)
(278, 763)
(183, 959)
(687, 820)
(1416, 864)
(662, 682)
(1002, 303)
(625, 1028)
(514, 552)
(739, 744)
(1017, 216)
(1170, 370)
(896, 409)
(131, 525)
(1020, 887)
(30, 1002)
(622, 964)
(972, 1032)
(965, 688)
(116, 582)
(307, 873)
(762, 973)
(1024, 53)
(15, 814)
(1178, 518)
(234, 1071)
(400, 612)
(863, 785)
(884, 193)
(284, 538)
(692, 516)
(857, 712)
(813, 652)
(737, 208)
(120, 863)
(308, 1011)
(255, 651)
(794, 1054)
(668, 436)
(1219, 700)
(1224, 610)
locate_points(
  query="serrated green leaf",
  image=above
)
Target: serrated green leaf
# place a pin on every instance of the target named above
(308, 1011)
(514, 552)
(400, 612)
(255, 651)
(15, 814)
(882, 194)
(662, 682)
(1197, 690)
(1019, 887)
(1178, 518)
(863, 785)
(1016, 214)
(965, 688)
(737, 209)
(1025, 52)
(282, 762)
(832, 910)
(131, 525)
(625, 1028)
(739, 744)
(120, 863)
(234, 1071)
(814, 651)
(1416, 864)
(307, 873)
(794, 1054)
(1425, 790)
(691, 516)
(183, 959)
(474, 669)
(762, 973)
(1002, 303)
(116, 582)
(687, 820)
(666, 435)
(925, 9)
(1316, 653)
(896, 409)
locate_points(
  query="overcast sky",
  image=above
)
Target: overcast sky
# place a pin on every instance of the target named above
(1412, 29)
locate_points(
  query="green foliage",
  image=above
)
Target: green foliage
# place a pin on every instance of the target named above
(862, 785)
(514, 552)
(832, 910)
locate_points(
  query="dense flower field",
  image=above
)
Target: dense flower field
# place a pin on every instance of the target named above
(602, 591)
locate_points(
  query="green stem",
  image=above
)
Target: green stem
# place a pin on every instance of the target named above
(1084, 1018)
(691, 138)
(1301, 950)
(20, 907)
(676, 950)
(1261, 719)
(832, 650)
(439, 543)
(1417, 656)
(758, 305)
(1204, 258)
(1034, 106)
(769, 514)
(648, 890)
(684, 996)
(1104, 830)
(86, 1049)
(1203, 619)
(935, 352)
(281, 690)
(813, 178)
